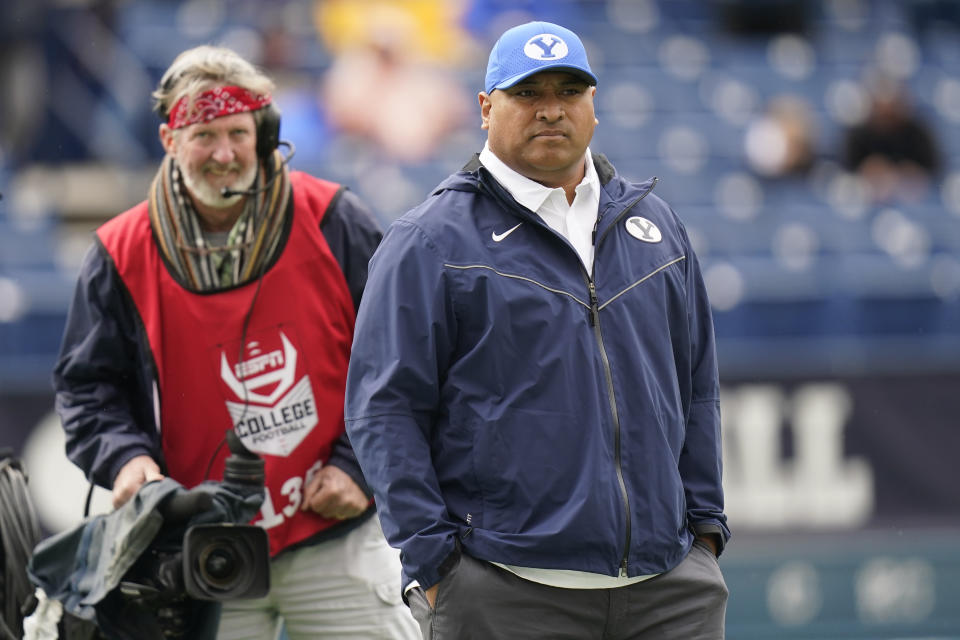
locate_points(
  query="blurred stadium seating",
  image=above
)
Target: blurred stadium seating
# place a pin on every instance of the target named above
(797, 267)
(808, 277)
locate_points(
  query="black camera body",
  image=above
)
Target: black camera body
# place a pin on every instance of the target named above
(214, 562)
(158, 567)
(188, 567)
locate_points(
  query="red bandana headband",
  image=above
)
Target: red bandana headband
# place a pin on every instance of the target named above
(217, 102)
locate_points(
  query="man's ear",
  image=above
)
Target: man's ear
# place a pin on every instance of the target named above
(484, 100)
(166, 138)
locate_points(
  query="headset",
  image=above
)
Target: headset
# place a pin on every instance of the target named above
(268, 140)
(268, 132)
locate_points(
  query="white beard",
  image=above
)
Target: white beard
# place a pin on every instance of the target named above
(210, 195)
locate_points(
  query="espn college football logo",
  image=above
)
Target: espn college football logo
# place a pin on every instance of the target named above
(272, 409)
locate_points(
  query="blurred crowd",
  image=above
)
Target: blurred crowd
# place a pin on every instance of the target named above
(801, 118)
(391, 80)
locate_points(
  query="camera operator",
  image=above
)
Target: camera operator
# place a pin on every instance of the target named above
(226, 300)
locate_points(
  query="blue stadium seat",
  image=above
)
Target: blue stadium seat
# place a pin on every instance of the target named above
(19, 247)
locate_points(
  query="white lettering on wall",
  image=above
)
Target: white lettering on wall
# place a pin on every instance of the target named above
(817, 487)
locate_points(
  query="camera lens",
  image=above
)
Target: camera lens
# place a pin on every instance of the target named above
(226, 561)
(219, 564)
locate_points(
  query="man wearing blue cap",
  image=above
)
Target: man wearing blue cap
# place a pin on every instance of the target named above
(533, 391)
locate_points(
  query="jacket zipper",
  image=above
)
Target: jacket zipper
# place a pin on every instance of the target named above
(608, 375)
(622, 213)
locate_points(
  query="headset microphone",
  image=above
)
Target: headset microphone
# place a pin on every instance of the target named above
(226, 192)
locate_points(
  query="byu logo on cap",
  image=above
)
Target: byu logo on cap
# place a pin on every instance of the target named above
(534, 47)
(545, 46)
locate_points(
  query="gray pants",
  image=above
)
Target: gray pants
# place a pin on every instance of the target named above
(478, 600)
(341, 588)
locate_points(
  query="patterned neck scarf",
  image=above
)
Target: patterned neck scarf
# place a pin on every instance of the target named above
(251, 245)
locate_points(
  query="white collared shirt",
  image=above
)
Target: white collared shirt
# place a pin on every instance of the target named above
(574, 221)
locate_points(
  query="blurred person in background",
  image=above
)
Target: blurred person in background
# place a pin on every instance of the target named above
(752, 18)
(893, 150)
(390, 80)
(227, 300)
(533, 391)
(780, 143)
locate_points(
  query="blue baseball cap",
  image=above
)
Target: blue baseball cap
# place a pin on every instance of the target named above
(533, 47)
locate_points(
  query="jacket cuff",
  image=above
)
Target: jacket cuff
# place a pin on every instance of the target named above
(714, 530)
(344, 458)
(121, 460)
(350, 468)
(407, 583)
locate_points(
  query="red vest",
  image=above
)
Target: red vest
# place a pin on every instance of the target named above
(282, 388)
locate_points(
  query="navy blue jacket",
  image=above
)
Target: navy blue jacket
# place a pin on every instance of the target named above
(503, 399)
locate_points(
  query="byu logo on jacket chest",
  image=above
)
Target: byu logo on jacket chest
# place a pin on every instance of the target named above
(642, 229)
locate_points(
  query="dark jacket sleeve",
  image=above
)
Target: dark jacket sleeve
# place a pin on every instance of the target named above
(104, 388)
(353, 234)
(404, 340)
(700, 462)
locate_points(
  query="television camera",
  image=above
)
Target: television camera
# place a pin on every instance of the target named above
(132, 574)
